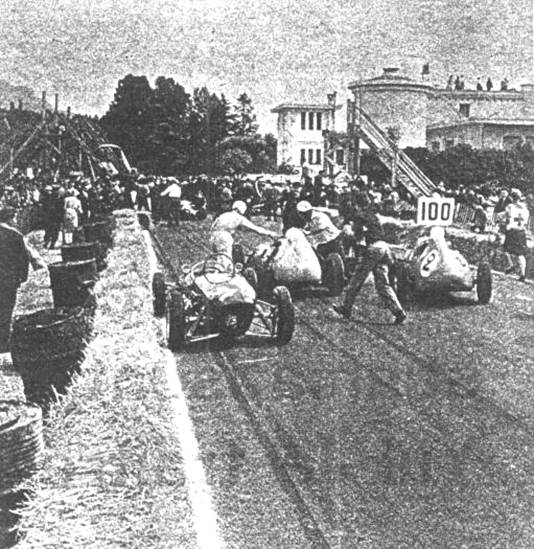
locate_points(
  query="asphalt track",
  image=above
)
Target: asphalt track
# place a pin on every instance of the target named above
(418, 435)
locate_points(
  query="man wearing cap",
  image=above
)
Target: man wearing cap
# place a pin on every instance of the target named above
(322, 234)
(174, 196)
(225, 226)
(13, 271)
(377, 259)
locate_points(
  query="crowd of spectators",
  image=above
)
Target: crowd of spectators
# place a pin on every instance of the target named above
(457, 83)
(59, 205)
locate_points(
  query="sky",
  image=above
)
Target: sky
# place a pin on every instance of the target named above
(277, 51)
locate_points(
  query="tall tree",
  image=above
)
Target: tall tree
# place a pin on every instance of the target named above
(128, 120)
(244, 117)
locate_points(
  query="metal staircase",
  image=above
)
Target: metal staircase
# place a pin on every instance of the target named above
(408, 174)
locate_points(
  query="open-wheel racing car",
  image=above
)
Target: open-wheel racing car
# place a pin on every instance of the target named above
(425, 264)
(214, 298)
(291, 261)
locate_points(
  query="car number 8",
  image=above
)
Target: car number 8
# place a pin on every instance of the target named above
(429, 263)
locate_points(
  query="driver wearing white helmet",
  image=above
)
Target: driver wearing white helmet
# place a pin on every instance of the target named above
(223, 229)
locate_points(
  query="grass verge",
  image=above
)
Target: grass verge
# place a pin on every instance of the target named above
(112, 475)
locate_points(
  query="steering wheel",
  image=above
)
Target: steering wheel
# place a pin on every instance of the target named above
(218, 262)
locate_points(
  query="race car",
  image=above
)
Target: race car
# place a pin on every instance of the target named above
(424, 263)
(292, 262)
(214, 298)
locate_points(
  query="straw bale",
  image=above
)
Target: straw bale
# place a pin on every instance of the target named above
(112, 473)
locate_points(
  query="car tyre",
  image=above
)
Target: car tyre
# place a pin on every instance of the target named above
(158, 293)
(404, 290)
(238, 254)
(176, 321)
(334, 274)
(285, 315)
(484, 283)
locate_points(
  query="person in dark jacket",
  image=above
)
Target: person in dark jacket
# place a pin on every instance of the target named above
(376, 259)
(13, 272)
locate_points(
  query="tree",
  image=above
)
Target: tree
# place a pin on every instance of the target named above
(128, 120)
(244, 118)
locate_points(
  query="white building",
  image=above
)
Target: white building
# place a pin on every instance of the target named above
(302, 130)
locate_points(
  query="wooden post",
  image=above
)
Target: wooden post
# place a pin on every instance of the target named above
(43, 106)
(56, 102)
(68, 112)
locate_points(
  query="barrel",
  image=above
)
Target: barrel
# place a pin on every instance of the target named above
(21, 443)
(78, 252)
(71, 280)
(48, 347)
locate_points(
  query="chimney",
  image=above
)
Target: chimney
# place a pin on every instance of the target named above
(12, 105)
(20, 104)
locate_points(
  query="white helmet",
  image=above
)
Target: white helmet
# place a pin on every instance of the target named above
(239, 206)
(304, 206)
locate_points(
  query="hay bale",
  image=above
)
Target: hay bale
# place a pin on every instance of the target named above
(71, 282)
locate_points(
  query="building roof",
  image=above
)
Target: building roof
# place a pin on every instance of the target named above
(483, 121)
(304, 107)
(390, 78)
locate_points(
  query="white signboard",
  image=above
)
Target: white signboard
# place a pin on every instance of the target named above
(435, 210)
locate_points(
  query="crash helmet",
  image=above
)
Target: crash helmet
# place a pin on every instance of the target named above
(304, 206)
(239, 206)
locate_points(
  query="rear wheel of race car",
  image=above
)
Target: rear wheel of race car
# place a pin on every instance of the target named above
(334, 274)
(175, 321)
(158, 293)
(285, 315)
(251, 277)
(484, 283)
(404, 288)
(238, 254)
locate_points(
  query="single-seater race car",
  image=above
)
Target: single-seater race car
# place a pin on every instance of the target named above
(214, 298)
(425, 264)
(292, 262)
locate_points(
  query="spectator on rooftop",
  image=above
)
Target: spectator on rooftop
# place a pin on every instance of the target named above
(489, 84)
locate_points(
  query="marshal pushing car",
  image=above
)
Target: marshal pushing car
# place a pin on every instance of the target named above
(215, 298)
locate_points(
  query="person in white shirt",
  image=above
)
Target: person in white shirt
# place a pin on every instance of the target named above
(515, 242)
(322, 234)
(174, 201)
(224, 228)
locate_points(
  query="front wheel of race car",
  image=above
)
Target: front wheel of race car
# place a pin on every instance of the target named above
(484, 283)
(285, 315)
(404, 290)
(176, 321)
(158, 293)
(334, 274)
(238, 254)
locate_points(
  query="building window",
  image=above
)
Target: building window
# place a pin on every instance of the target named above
(310, 156)
(511, 141)
(340, 157)
(302, 156)
(449, 143)
(464, 109)
(319, 121)
(310, 120)
(318, 156)
(302, 120)
(435, 145)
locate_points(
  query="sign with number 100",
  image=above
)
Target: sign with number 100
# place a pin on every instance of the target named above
(435, 210)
